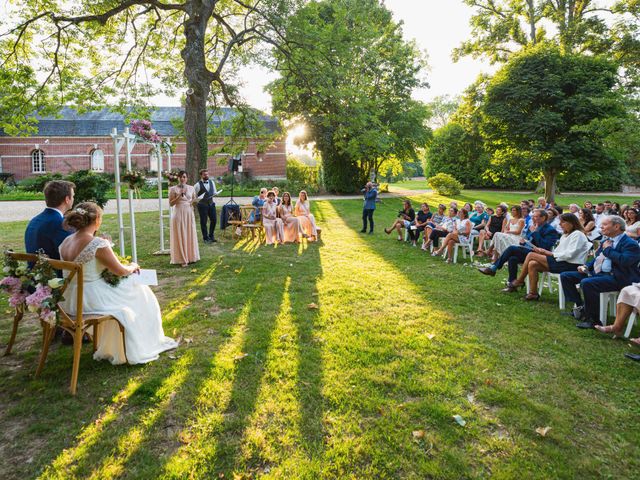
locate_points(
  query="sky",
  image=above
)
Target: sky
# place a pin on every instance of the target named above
(438, 26)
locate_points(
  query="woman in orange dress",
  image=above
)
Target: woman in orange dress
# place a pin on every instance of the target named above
(184, 238)
(305, 217)
(291, 222)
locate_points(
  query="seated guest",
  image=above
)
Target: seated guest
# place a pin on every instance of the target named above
(276, 192)
(273, 226)
(436, 220)
(589, 205)
(575, 209)
(616, 209)
(479, 217)
(608, 207)
(405, 217)
(589, 224)
(460, 234)
(467, 206)
(636, 204)
(554, 219)
(496, 224)
(543, 235)
(599, 214)
(134, 305)
(258, 202)
(615, 267)
(45, 231)
(446, 227)
(628, 301)
(526, 214)
(422, 219)
(633, 223)
(542, 203)
(510, 234)
(305, 217)
(292, 229)
(570, 253)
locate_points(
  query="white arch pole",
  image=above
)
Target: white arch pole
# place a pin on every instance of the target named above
(117, 145)
(160, 210)
(130, 142)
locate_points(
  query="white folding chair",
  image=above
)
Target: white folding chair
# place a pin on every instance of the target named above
(630, 323)
(607, 299)
(467, 246)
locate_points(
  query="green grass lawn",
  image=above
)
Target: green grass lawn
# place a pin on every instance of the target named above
(268, 387)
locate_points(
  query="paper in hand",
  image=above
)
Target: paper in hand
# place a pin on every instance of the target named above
(145, 277)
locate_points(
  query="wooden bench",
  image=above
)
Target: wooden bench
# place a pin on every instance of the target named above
(76, 325)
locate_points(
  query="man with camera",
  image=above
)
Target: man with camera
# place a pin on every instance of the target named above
(370, 195)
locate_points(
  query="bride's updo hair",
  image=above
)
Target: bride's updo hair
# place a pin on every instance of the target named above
(82, 215)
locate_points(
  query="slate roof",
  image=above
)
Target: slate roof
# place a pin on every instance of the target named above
(70, 123)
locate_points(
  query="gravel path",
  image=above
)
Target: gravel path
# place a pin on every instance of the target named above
(25, 210)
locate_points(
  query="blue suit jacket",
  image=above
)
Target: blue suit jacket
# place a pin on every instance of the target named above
(370, 199)
(545, 237)
(624, 260)
(45, 233)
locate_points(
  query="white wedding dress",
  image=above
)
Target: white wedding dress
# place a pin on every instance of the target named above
(134, 305)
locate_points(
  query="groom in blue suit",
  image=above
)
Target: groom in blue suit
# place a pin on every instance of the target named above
(45, 232)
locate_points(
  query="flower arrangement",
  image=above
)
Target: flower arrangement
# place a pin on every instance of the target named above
(17, 281)
(144, 130)
(171, 176)
(134, 178)
(110, 277)
(48, 291)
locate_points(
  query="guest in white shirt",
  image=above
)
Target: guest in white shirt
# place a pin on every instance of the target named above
(575, 209)
(632, 219)
(570, 253)
(599, 214)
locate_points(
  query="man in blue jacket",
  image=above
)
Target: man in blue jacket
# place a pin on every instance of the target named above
(370, 195)
(538, 234)
(614, 267)
(44, 231)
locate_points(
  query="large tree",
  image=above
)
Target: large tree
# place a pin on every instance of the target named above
(349, 76)
(544, 110)
(86, 53)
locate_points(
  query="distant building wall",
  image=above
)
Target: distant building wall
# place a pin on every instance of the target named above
(67, 154)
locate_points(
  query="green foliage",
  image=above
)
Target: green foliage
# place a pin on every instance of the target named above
(90, 186)
(36, 183)
(348, 77)
(301, 176)
(541, 113)
(3, 187)
(445, 184)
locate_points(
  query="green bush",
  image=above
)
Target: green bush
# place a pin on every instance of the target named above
(301, 176)
(3, 187)
(37, 183)
(90, 186)
(445, 184)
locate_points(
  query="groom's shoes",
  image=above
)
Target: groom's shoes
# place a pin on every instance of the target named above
(212, 240)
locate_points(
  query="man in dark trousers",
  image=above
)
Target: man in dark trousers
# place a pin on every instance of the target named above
(44, 231)
(206, 190)
(614, 267)
(370, 195)
(539, 234)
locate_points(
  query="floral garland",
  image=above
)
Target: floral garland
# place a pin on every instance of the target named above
(135, 179)
(16, 282)
(144, 130)
(172, 176)
(111, 278)
(48, 291)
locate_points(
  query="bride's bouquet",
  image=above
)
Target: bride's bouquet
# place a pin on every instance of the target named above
(110, 277)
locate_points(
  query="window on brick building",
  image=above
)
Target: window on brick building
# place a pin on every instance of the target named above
(37, 161)
(153, 160)
(97, 160)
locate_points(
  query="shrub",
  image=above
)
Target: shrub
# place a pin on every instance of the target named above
(383, 188)
(2, 187)
(90, 186)
(445, 184)
(301, 176)
(37, 183)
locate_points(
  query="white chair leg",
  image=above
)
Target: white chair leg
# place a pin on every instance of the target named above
(613, 300)
(455, 253)
(632, 320)
(604, 303)
(561, 300)
(541, 279)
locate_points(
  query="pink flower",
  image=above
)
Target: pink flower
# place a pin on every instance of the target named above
(42, 293)
(17, 298)
(48, 316)
(11, 284)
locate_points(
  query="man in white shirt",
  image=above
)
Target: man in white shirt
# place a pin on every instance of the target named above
(206, 190)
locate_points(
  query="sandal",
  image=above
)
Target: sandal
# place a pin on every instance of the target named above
(607, 329)
(532, 297)
(635, 341)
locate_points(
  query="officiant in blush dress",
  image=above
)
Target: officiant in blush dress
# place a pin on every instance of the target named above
(184, 238)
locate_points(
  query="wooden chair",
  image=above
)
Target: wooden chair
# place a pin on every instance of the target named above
(17, 317)
(77, 325)
(254, 227)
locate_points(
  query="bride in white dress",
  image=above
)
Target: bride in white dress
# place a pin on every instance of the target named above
(134, 305)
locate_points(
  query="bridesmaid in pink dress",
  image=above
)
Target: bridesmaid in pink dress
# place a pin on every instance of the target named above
(305, 217)
(273, 226)
(291, 223)
(184, 238)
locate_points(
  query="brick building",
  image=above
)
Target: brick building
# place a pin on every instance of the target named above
(82, 141)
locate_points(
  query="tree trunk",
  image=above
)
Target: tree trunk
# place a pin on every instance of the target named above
(199, 80)
(550, 185)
